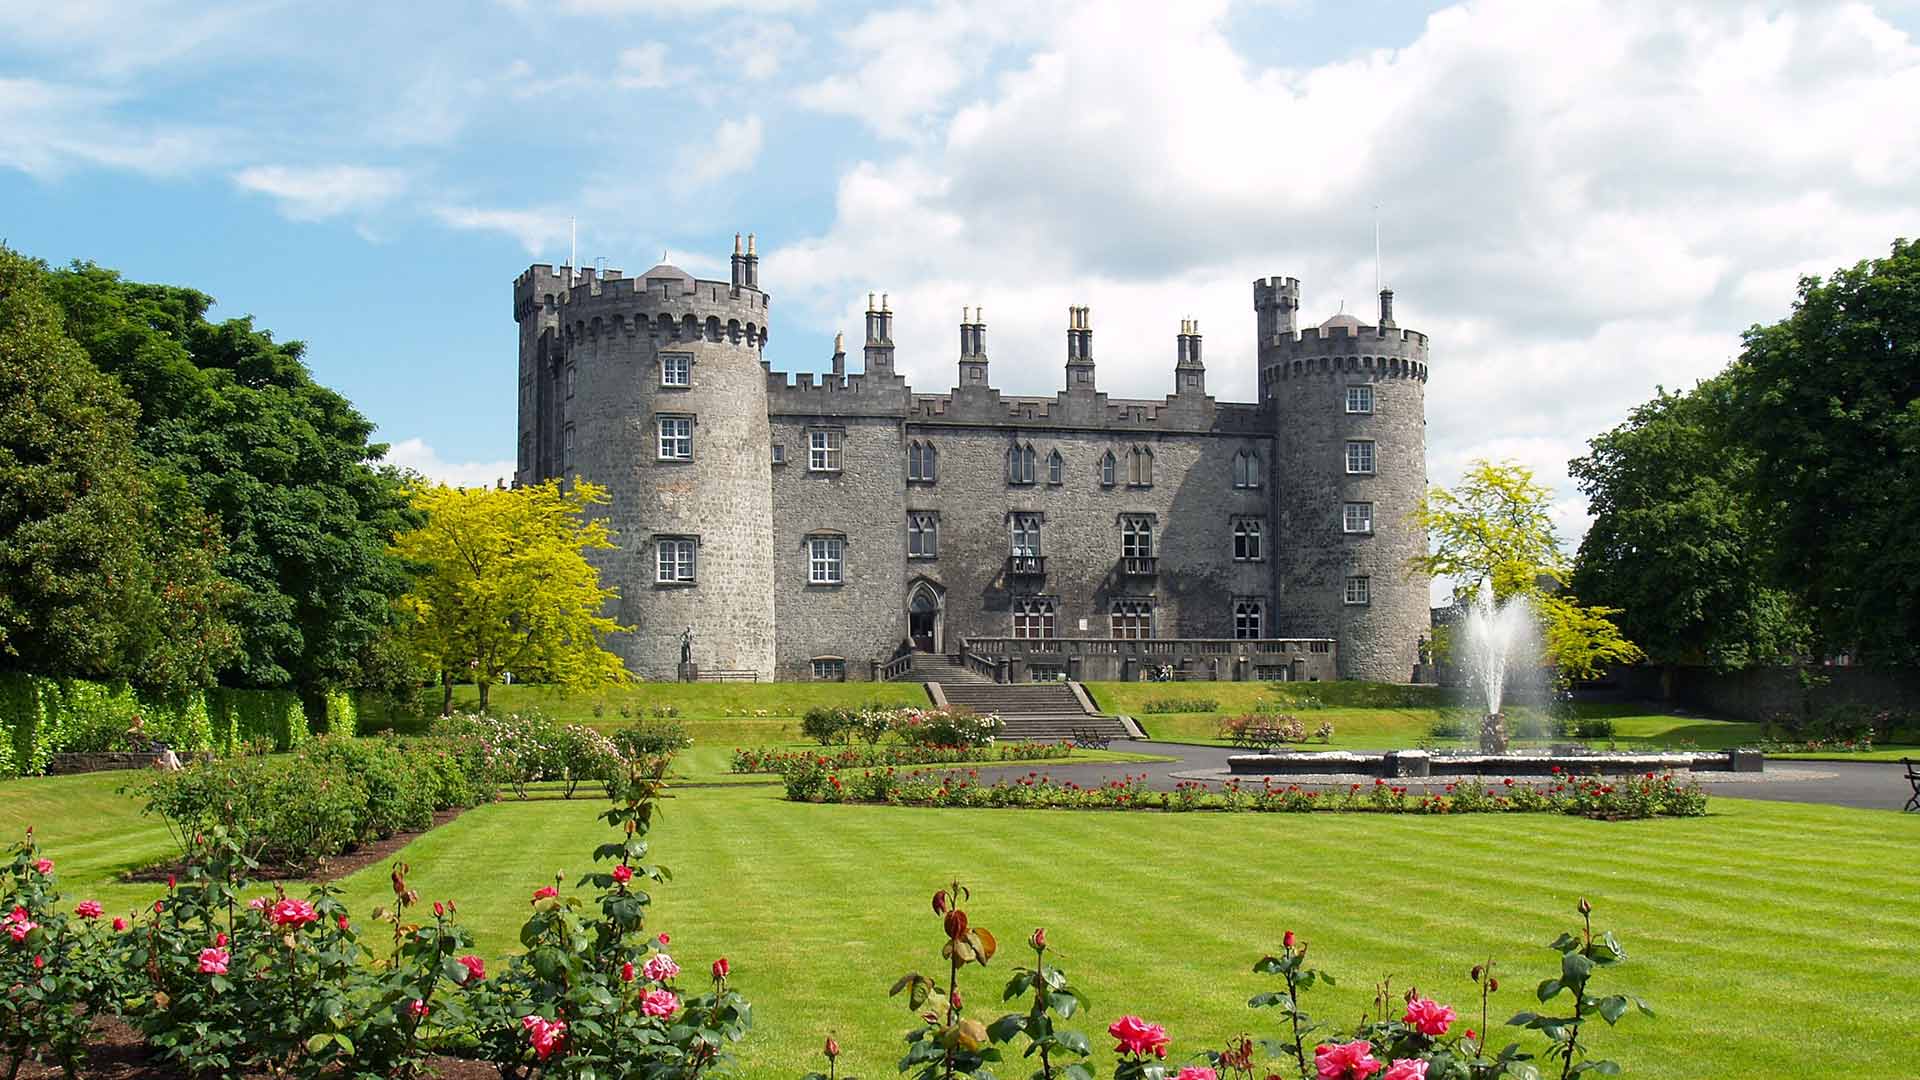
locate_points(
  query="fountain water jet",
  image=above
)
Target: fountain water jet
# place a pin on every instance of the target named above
(1500, 641)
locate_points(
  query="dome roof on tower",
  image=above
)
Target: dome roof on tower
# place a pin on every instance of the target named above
(666, 272)
(1342, 319)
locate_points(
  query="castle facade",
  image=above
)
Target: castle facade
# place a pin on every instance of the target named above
(803, 527)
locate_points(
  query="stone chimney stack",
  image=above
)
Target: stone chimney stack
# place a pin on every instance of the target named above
(879, 347)
(1079, 349)
(973, 346)
(839, 354)
(1386, 309)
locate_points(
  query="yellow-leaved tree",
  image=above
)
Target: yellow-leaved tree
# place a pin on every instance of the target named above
(1495, 530)
(506, 586)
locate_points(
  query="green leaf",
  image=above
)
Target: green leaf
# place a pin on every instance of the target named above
(1613, 1008)
(1548, 989)
(1574, 969)
(1064, 1004)
(1005, 1028)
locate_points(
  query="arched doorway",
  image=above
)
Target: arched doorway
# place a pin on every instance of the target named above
(924, 618)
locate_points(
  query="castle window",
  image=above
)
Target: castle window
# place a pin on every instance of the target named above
(1320, 646)
(826, 560)
(1020, 464)
(676, 369)
(1025, 530)
(1247, 535)
(1131, 620)
(923, 535)
(676, 438)
(673, 560)
(1359, 399)
(1357, 517)
(1359, 590)
(823, 451)
(1056, 467)
(1249, 618)
(1140, 467)
(779, 454)
(1246, 469)
(571, 373)
(923, 462)
(1136, 537)
(1108, 467)
(1033, 617)
(1360, 456)
(566, 449)
(829, 669)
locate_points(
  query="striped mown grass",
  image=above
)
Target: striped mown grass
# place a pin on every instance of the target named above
(1764, 935)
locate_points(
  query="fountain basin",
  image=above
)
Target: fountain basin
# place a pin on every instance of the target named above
(1393, 764)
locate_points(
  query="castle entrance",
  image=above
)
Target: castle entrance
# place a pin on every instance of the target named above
(924, 618)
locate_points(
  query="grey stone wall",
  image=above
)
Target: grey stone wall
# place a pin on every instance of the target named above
(1306, 377)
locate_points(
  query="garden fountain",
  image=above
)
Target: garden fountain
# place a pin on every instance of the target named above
(1499, 641)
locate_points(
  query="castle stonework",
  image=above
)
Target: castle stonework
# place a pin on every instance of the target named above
(803, 527)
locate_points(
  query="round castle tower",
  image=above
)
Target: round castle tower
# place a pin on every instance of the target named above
(1350, 466)
(660, 394)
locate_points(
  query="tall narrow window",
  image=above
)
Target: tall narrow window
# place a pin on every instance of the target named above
(1247, 536)
(1140, 467)
(1033, 617)
(1026, 534)
(1056, 467)
(1357, 517)
(1020, 464)
(676, 438)
(1359, 399)
(1360, 456)
(1136, 537)
(923, 535)
(923, 462)
(673, 560)
(572, 377)
(1132, 619)
(1359, 590)
(823, 451)
(676, 369)
(566, 449)
(826, 560)
(1108, 467)
(1246, 469)
(1249, 618)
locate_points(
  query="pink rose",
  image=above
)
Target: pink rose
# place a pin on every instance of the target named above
(623, 873)
(476, 968)
(1138, 1038)
(1346, 1061)
(1196, 1072)
(45, 866)
(1406, 1069)
(18, 931)
(544, 892)
(291, 913)
(660, 967)
(213, 961)
(419, 1009)
(545, 1035)
(39, 961)
(259, 903)
(663, 939)
(626, 971)
(220, 940)
(659, 1003)
(721, 969)
(87, 909)
(119, 924)
(1428, 1016)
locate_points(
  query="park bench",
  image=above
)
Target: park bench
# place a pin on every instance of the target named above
(1913, 781)
(1260, 737)
(1091, 738)
(724, 675)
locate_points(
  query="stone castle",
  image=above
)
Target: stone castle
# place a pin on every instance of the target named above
(804, 528)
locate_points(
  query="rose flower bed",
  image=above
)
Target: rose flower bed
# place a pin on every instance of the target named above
(1645, 796)
(767, 759)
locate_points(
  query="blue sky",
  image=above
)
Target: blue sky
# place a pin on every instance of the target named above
(1580, 201)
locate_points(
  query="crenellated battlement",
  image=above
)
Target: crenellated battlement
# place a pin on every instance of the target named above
(610, 295)
(866, 394)
(1172, 415)
(1315, 340)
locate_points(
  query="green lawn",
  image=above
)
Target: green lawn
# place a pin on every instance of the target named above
(1764, 935)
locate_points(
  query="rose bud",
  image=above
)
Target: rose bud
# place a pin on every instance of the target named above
(439, 909)
(833, 1048)
(721, 968)
(1492, 984)
(1286, 940)
(1475, 973)
(1039, 939)
(940, 902)
(1585, 908)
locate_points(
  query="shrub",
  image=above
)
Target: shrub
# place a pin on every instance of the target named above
(585, 755)
(1178, 705)
(769, 759)
(240, 716)
(1452, 725)
(827, 726)
(653, 739)
(399, 796)
(1593, 727)
(945, 727)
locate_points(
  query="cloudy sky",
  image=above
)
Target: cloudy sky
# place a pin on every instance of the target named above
(1578, 201)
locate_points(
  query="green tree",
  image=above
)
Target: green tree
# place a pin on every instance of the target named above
(1675, 544)
(506, 586)
(103, 572)
(1828, 401)
(233, 422)
(1494, 531)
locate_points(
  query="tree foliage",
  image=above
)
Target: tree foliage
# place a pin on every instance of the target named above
(1675, 543)
(506, 585)
(105, 569)
(233, 422)
(1494, 532)
(1828, 402)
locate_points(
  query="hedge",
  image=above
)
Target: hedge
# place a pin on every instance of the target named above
(41, 716)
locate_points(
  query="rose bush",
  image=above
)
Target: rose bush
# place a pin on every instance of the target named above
(770, 759)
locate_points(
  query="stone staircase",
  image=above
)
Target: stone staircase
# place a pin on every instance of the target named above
(1047, 712)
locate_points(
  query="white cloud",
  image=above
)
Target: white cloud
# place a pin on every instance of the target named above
(48, 128)
(415, 454)
(1572, 225)
(757, 49)
(734, 148)
(642, 67)
(540, 230)
(311, 193)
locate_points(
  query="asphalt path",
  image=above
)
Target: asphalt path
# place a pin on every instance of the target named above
(1866, 785)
